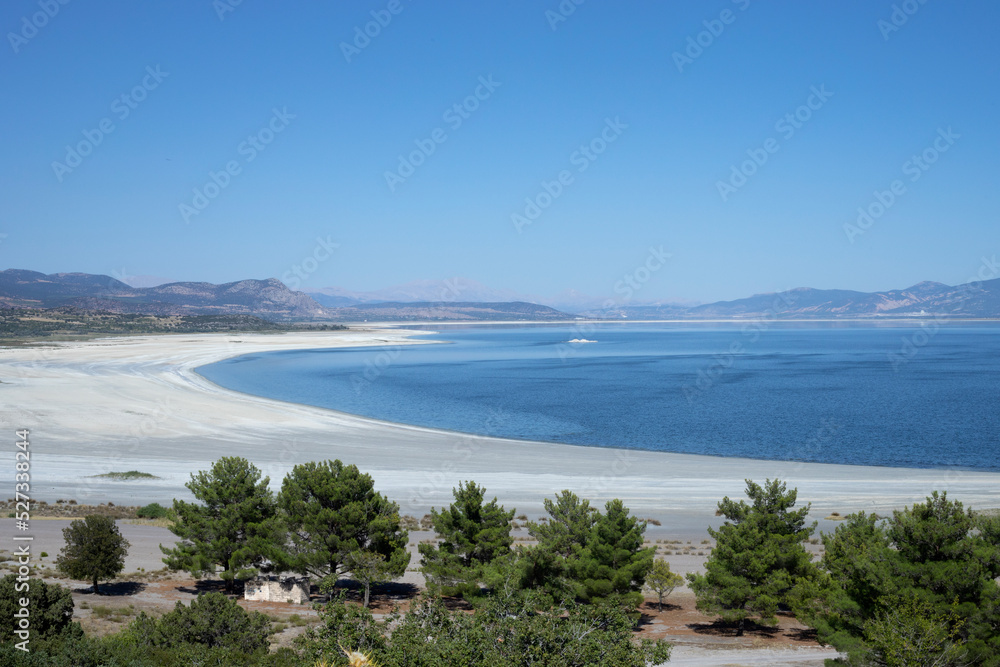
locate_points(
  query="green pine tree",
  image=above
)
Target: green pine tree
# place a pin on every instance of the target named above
(235, 526)
(569, 526)
(758, 558)
(332, 510)
(473, 535)
(546, 566)
(613, 566)
(936, 559)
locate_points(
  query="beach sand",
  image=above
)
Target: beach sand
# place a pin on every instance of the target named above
(135, 403)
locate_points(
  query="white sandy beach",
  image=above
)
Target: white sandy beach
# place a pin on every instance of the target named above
(135, 403)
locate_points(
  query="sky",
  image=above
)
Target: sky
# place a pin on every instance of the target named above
(706, 150)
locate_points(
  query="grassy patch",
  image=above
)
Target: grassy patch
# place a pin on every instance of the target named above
(117, 614)
(159, 523)
(130, 474)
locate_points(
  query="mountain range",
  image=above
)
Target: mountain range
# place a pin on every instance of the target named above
(269, 299)
(465, 300)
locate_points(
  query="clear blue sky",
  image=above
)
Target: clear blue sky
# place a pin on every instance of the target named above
(656, 184)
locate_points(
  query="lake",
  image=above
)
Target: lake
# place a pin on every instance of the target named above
(893, 395)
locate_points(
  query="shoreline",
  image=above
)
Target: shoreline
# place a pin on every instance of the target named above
(137, 402)
(475, 436)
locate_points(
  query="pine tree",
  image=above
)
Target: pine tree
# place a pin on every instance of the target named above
(569, 526)
(758, 558)
(613, 565)
(473, 535)
(546, 566)
(235, 527)
(332, 510)
(936, 559)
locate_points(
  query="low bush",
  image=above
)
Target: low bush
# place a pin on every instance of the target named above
(152, 511)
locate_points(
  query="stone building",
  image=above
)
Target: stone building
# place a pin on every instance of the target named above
(273, 588)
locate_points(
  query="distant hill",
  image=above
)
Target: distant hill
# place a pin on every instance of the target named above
(396, 311)
(926, 299)
(269, 299)
(272, 300)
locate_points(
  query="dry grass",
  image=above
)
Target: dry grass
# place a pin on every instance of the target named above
(159, 523)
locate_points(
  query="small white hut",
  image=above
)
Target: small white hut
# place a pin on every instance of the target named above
(274, 588)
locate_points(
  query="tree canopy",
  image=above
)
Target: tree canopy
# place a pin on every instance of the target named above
(472, 534)
(212, 620)
(936, 560)
(234, 527)
(336, 520)
(614, 564)
(95, 549)
(758, 558)
(506, 631)
(662, 581)
(49, 610)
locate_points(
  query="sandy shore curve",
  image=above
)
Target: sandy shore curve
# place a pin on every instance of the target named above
(136, 403)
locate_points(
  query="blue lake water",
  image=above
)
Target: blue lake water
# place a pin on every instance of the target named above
(837, 393)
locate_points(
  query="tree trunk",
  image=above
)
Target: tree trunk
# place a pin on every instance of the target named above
(97, 588)
(739, 627)
(368, 588)
(659, 604)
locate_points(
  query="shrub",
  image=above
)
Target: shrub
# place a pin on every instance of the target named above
(50, 608)
(212, 620)
(152, 511)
